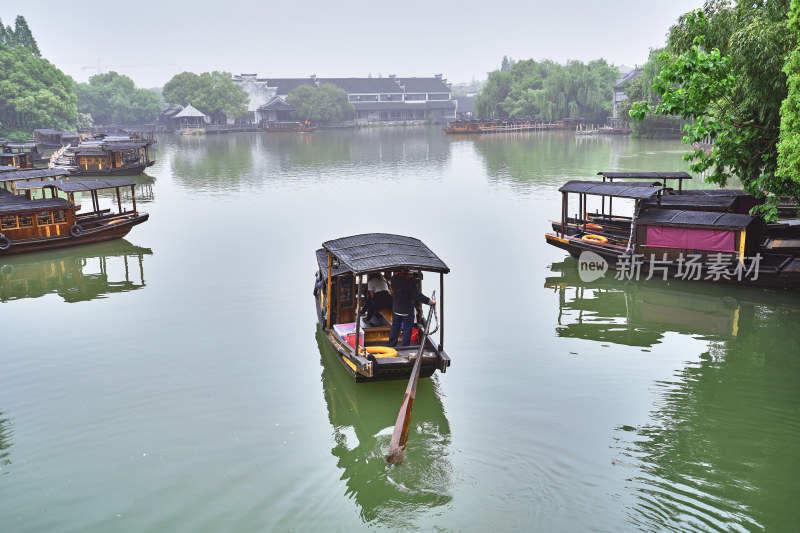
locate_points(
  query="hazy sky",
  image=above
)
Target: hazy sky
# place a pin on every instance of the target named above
(151, 41)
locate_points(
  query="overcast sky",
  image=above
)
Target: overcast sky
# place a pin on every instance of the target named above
(151, 41)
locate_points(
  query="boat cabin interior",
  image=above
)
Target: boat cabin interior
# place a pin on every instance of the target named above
(341, 292)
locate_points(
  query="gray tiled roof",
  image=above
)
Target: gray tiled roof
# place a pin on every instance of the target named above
(284, 85)
(424, 85)
(364, 85)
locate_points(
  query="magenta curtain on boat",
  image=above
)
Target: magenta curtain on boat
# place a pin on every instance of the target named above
(691, 238)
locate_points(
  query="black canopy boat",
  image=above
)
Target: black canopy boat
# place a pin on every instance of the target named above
(686, 234)
(33, 157)
(110, 156)
(40, 211)
(361, 347)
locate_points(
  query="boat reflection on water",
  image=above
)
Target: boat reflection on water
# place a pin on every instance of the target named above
(639, 313)
(362, 416)
(76, 274)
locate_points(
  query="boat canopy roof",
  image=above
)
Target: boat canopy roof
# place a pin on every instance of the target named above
(18, 203)
(108, 147)
(383, 251)
(20, 146)
(15, 174)
(694, 201)
(645, 175)
(708, 219)
(635, 190)
(77, 185)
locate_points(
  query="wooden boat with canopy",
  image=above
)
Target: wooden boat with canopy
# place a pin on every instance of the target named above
(694, 235)
(341, 279)
(109, 157)
(32, 156)
(39, 210)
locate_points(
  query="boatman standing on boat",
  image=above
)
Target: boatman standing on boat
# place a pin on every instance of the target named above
(404, 293)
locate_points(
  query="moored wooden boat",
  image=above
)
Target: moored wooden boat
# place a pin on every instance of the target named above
(288, 127)
(35, 215)
(339, 293)
(109, 157)
(691, 235)
(33, 155)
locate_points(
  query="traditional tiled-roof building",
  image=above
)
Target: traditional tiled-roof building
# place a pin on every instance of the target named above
(374, 99)
(619, 88)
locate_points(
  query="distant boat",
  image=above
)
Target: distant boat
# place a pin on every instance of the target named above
(120, 156)
(288, 127)
(30, 148)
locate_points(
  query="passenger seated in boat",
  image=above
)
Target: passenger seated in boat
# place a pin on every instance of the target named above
(378, 297)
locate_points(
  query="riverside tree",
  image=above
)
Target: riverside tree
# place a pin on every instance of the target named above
(213, 93)
(529, 88)
(323, 103)
(111, 98)
(33, 92)
(726, 74)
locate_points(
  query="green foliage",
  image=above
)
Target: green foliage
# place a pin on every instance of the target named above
(487, 103)
(111, 98)
(641, 89)
(789, 141)
(33, 92)
(19, 37)
(730, 93)
(319, 104)
(85, 121)
(549, 90)
(213, 93)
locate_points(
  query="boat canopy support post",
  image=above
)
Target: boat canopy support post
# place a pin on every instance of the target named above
(441, 311)
(564, 210)
(328, 295)
(358, 311)
(133, 196)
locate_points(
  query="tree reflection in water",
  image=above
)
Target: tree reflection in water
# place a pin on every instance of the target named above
(720, 450)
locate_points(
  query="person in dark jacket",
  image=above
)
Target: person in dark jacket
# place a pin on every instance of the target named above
(404, 293)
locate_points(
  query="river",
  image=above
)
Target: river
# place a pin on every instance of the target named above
(176, 381)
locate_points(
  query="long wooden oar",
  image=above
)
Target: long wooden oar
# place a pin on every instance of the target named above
(400, 434)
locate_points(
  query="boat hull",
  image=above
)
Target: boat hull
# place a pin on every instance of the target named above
(107, 229)
(776, 271)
